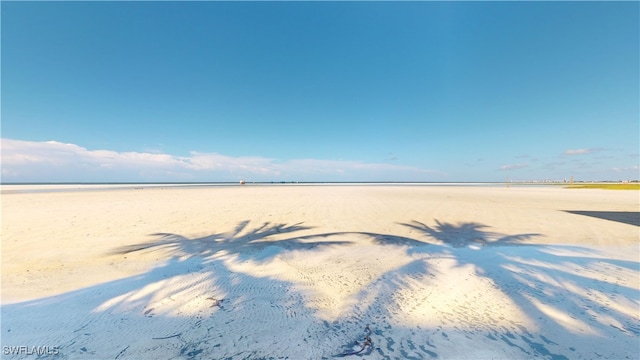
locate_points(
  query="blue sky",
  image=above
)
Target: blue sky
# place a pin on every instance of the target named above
(320, 91)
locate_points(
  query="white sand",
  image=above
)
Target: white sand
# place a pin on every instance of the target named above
(451, 272)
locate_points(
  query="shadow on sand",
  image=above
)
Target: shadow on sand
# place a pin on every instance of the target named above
(244, 242)
(465, 234)
(564, 304)
(625, 217)
(217, 296)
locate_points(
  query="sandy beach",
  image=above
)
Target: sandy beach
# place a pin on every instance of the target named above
(312, 272)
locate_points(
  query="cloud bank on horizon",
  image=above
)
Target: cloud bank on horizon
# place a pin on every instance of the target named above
(53, 161)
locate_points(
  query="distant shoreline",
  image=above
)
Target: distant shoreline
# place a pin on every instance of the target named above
(531, 182)
(21, 188)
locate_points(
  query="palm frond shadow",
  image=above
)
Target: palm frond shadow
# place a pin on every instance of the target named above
(465, 234)
(248, 245)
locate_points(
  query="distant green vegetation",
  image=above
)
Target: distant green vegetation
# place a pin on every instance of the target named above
(613, 186)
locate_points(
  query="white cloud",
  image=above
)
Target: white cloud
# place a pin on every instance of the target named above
(52, 161)
(513, 166)
(626, 169)
(580, 151)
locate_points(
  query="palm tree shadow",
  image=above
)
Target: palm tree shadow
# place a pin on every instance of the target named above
(465, 234)
(552, 284)
(248, 245)
(177, 300)
(382, 300)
